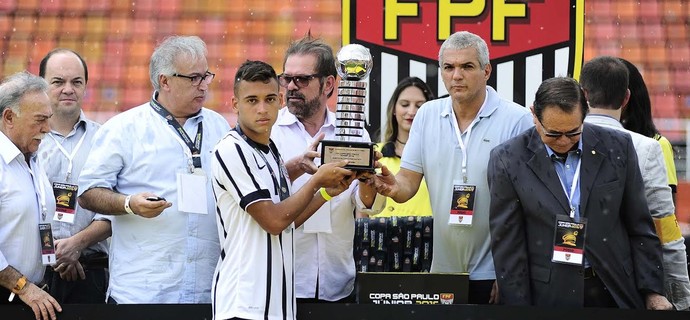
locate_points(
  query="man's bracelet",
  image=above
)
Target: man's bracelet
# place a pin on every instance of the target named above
(128, 209)
(325, 194)
(21, 283)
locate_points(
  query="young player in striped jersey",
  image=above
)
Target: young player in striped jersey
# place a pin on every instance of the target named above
(256, 213)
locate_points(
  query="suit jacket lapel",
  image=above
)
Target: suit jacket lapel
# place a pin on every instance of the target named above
(541, 165)
(591, 163)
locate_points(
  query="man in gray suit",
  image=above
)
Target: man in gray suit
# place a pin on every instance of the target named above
(569, 221)
(605, 83)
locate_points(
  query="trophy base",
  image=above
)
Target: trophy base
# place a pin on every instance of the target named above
(359, 154)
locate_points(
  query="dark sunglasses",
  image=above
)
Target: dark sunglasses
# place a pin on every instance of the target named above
(300, 81)
(556, 134)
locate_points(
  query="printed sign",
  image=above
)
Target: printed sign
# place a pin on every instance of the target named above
(529, 41)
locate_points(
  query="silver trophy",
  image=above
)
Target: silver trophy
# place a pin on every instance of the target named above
(354, 63)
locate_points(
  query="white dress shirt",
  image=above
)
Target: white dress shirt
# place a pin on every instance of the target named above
(327, 256)
(56, 164)
(24, 192)
(169, 258)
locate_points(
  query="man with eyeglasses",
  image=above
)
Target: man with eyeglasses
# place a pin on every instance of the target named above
(570, 226)
(605, 82)
(150, 169)
(323, 244)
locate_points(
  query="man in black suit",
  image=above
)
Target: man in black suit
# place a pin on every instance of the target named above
(569, 221)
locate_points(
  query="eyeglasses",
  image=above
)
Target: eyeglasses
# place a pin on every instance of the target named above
(197, 79)
(557, 135)
(300, 81)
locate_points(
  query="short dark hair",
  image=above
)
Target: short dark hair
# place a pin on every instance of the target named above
(562, 92)
(637, 116)
(44, 62)
(253, 71)
(605, 80)
(325, 61)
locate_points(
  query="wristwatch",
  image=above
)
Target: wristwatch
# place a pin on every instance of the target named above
(19, 285)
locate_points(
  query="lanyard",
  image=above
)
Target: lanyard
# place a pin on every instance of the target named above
(69, 156)
(464, 147)
(194, 147)
(40, 192)
(571, 195)
(282, 191)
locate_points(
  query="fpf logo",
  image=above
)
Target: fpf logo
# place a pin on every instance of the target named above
(529, 41)
(447, 298)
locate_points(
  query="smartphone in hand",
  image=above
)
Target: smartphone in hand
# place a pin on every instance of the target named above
(155, 198)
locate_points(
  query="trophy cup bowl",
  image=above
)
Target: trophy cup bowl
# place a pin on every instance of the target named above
(354, 63)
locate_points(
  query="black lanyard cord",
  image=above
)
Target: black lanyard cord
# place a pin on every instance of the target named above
(195, 146)
(282, 191)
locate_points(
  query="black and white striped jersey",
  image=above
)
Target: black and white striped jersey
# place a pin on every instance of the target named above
(254, 275)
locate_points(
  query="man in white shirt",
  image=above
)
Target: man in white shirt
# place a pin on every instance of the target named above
(149, 167)
(26, 204)
(323, 245)
(79, 275)
(257, 212)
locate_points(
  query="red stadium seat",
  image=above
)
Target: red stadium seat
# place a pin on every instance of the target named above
(629, 32)
(679, 54)
(75, 7)
(665, 105)
(657, 79)
(650, 11)
(652, 31)
(23, 26)
(656, 53)
(673, 10)
(627, 11)
(681, 81)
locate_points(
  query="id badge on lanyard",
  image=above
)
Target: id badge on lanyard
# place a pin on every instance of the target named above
(66, 193)
(569, 233)
(65, 201)
(569, 240)
(462, 204)
(191, 192)
(45, 230)
(464, 195)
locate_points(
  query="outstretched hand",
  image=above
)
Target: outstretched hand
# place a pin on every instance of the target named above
(385, 183)
(147, 208)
